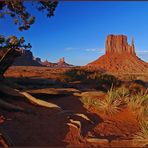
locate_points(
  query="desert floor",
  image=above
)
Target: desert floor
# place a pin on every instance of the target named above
(76, 124)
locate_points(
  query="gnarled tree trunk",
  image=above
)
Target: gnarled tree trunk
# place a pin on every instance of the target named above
(7, 57)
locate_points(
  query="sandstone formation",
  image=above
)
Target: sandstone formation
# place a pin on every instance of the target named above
(118, 44)
(48, 64)
(27, 59)
(59, 64)
(61, 61)
(37, 59)
(119, 57)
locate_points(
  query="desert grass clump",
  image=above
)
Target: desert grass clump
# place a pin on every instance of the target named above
(141, 138)
(139, 105)
(89, 100)
(136, 101)
(123, 92)
(141, 110)
(111, 104)
(143, 114)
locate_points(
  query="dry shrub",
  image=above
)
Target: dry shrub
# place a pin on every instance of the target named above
(111, 104)
(138, 103)
(141, 138)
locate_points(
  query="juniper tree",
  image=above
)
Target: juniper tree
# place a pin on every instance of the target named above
(17, 10)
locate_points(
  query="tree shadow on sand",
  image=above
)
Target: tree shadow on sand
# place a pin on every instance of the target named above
(46, 127)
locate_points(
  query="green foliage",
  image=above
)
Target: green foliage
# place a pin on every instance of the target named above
(18, 11)
(76, 75)
(106, 80)
(100, 80)
(13, 42)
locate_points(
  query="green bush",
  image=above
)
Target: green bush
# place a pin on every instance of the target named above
(76, 75)
(100, 80)
(106, 81)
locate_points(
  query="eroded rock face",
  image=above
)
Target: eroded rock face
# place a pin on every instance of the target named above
(118, 44)
(48, 64)
(61, 61)
(37, 59)
(119, 57)
(26, 59)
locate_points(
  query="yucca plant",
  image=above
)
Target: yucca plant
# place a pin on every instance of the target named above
(123, 92)
(142, 114)
(139, 105)
(141, 138)
(89, 101)
(136, 101)
(111, 104)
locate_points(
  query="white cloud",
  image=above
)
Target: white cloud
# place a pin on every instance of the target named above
(95, 50)
(98, 50)
(142, 51)
(70, 48)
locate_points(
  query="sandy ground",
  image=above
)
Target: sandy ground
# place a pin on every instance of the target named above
(50, 127)
(74, 125)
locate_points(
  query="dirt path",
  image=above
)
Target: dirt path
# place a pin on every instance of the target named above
(47, 127)
(73, 126)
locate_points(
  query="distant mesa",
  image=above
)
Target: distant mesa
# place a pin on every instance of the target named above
(27, 59)
(59, 64)
(61, 61)
(37, 59)
(48, 64)
(119, 57)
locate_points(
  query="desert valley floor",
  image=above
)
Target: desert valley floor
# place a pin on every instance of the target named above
(76, 121)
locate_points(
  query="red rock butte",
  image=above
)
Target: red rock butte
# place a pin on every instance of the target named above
(118, 44)
(119, 57)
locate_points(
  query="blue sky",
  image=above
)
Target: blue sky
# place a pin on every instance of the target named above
(78, 30)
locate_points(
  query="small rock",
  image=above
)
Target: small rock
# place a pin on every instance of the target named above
(121, 143)
(100, 142)
(2, 119)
